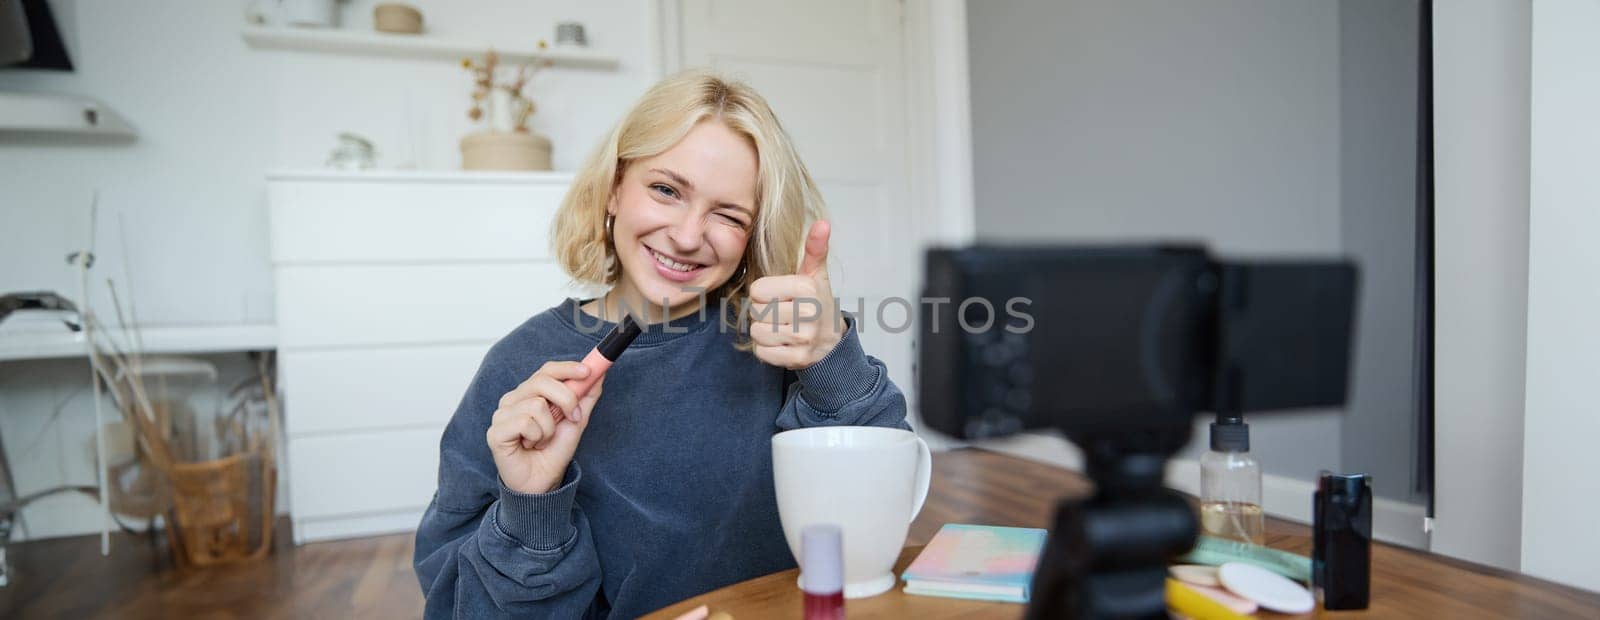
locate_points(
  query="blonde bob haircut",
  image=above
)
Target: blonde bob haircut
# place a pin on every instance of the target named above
(786, 197)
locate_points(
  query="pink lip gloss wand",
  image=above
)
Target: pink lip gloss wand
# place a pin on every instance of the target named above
(602, 356)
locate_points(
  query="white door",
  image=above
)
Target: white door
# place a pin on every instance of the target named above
(833, 71)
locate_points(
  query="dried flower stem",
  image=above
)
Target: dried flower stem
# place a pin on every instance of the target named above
(484, 84)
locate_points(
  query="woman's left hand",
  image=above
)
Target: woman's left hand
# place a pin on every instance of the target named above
(794, 320)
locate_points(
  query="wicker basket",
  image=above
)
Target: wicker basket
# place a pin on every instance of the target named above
(223, 509)
(220, 510)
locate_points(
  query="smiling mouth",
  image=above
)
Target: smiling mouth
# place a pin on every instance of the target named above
(670, 263)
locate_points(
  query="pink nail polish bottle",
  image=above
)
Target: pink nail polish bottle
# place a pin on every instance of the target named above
(822, 571)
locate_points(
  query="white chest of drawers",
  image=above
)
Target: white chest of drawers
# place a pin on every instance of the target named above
(390, 287)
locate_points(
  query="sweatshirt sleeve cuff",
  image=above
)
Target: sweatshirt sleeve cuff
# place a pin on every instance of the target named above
(840, 377)
(539, 521)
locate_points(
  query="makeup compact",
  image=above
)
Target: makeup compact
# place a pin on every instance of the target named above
(1195, 574)
(1270, 590)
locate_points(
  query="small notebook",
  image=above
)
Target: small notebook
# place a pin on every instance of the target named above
(977, 562)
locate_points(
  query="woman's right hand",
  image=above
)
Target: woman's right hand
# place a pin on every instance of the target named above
(530, 438)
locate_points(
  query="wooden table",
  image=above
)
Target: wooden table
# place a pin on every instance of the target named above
(977, 486)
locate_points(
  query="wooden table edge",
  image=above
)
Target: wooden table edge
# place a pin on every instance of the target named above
(1575, 595)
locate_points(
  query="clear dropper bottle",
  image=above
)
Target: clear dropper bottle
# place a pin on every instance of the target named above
(1230, 484)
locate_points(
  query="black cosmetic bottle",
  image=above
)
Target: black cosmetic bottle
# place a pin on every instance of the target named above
(1341, 540)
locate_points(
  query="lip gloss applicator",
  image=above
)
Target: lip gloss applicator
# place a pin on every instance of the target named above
(603, 355)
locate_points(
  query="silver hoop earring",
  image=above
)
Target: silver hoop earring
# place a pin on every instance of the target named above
(610, 221)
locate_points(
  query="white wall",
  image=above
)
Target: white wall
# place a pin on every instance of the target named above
(1561, 467)
(1217, 121)
(1480, 82)
(212, 116)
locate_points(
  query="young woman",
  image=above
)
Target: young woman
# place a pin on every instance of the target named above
(555, 506)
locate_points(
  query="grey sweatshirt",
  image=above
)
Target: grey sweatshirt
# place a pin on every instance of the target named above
(670, 493)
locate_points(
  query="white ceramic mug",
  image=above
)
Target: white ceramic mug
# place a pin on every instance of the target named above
(870, 481)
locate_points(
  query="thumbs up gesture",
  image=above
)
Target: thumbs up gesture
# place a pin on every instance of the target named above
(794, 321)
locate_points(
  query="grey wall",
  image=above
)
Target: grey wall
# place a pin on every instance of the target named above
(1114, 119)
(1378, 127)
(1219, 121)
(1097, 120)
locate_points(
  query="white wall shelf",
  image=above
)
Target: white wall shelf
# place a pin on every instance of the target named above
(31, 345)
(365, 43)
(62, 114)
(422, 176)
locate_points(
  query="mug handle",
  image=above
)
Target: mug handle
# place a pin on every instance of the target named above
(924, 477)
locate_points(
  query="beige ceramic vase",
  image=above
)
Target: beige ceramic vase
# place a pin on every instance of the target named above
(505, 150)
(396, 18)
